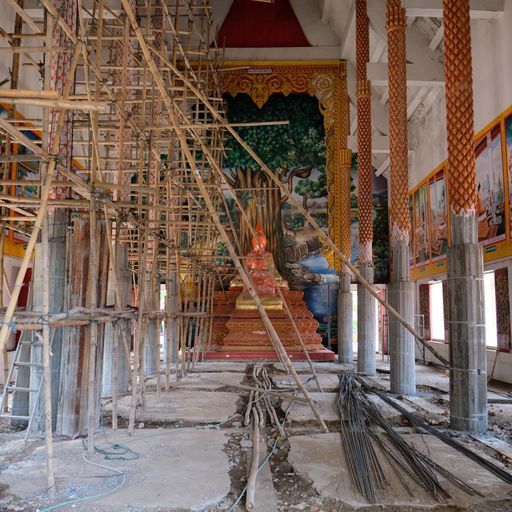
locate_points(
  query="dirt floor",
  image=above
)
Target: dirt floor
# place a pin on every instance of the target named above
(191, 451)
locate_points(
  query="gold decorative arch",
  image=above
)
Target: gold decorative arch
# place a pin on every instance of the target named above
(327, 81)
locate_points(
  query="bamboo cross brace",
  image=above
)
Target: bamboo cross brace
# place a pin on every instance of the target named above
(296, 204)
(204, 192)
(223, 177)
(45, 192)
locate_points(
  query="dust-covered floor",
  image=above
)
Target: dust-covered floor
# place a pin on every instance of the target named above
(191, 450)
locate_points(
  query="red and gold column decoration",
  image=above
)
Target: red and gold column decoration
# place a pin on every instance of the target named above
(364, 133)
(156, 114)
(396, 26)
(60, 66)
(343, 193)
(124, 77)
(459, 107)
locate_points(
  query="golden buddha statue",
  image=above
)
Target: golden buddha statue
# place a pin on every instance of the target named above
(263, 274)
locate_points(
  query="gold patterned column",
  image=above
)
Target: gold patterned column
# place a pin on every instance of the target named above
(466, 321)
(342, 205)
(342, 193)
(366, 318)
(459, 108)
(338, 188)
(396, 26)
(364, 133)
(401, 290)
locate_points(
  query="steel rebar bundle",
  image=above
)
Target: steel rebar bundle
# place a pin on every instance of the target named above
(418, 423)
(360, 419)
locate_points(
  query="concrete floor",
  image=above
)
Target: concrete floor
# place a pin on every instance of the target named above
(197, 458)
(188, 465)
(320, 458)
(182, 405)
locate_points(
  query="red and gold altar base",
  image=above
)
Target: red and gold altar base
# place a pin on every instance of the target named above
(238, 330)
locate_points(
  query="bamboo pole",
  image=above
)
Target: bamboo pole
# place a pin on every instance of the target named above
(47, 375)
(253, 473)
(5, 355)
(38, 222)
(305, 213)
(96, 106)
(206, 197)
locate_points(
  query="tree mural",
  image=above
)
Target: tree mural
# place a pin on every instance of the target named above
(292, 151)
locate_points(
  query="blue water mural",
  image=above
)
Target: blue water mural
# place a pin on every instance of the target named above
(321, 298)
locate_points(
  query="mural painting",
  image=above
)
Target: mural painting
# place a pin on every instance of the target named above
(508, 140)
(28, 170)
(438, 216)
(380, 223)
(421, 226)
(296, 153)
(491, 195)
(411, 240)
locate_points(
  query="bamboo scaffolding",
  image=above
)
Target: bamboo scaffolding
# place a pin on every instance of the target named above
(206, 197)
(304, 212)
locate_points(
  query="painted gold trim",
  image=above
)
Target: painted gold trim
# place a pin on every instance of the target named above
(326, 80)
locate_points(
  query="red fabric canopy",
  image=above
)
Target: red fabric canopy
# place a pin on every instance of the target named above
(252, 24)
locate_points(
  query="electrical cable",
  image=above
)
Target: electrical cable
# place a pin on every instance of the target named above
(267, 458)
(112, 456)
(94, 496)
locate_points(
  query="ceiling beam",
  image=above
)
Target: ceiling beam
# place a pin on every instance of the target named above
(436, 40)
(416, 74)
(384, 166)
(326, 11)
(379, 112)
(416, 102)
(348, 30)
(380, 144)
(480, 9)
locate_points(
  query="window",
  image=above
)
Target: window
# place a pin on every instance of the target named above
(491, 328)
(437, 311)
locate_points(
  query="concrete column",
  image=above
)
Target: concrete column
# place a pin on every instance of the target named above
(402, 343)
(152, 345)
(366, 360)
(342, 239)
(345, 352)
(400, 289)
(75, 345)
(366, 324)
(468, 372)
(115, 347)
(57, 275)
(466, 328)
(171, 325)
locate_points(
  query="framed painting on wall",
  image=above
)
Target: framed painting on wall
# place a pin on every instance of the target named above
(411, 222)
(438, 216)
(508, 141)
(421, 226)
(489, 181)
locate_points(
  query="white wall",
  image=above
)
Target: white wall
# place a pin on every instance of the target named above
(503, 363)
(29, 77)
(492, 76)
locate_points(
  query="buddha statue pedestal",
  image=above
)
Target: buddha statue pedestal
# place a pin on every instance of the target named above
(238, 331)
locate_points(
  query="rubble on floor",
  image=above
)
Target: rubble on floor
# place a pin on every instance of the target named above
(191, 451)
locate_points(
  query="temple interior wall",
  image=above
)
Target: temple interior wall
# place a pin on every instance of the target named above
(492, 86)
